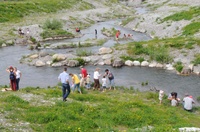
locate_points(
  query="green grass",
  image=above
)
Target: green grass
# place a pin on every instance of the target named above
(158, 49)
(196, 61)
(184, 15)
(14, 10)
(191, 29)
(178, 66)
(119, 110)
(126, 21)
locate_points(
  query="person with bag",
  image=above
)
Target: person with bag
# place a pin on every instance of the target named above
(12, 77)
(110, 78)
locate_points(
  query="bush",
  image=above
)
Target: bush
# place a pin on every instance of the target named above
(81, 61)
(83, 52)
(179, 66)
(52, 24)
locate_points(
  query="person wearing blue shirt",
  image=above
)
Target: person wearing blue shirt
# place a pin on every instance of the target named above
(64, 78)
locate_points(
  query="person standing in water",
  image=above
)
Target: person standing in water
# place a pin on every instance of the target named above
(18, 76)
(12, 78)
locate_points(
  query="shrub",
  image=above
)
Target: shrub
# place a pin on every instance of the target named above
(52, 24)
(179, 66)
(191, 29)
(81, 61)
(198, 99)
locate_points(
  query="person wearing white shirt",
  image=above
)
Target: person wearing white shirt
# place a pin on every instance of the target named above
(187, 103)
(96, 79)
(18, 76)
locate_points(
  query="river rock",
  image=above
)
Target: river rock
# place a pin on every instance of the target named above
(108, 56)
(101, 63)
(3, 45)
(59, 57)
(191, 66)
(136, 63)
(86, 59)
(105, 50)
(34, 56)
(144, 63)
(108, 62)
(57, 64)
(186, 71)
(118, 63)
(197, 69)
(43, 53)
(158, 65)
(73, 63)
(153, 64)
(39, 63)
(128, 63)
(49, 63)
(169, 67)
(95, 58)
(9, 42)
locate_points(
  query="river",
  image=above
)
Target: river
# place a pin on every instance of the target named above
(126, 76)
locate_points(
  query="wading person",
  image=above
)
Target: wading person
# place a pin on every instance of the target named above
(76, 82)
(64, 79)
(18, 76)
(12, 77)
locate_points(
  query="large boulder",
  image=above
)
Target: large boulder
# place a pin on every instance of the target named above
(105, 50)
(3, 45)
(144, 63)
(128, 63)
(118, 63)
(39, 63)
(136, 63)
(169, 67)
(95, 58)
(59, 57)
(73, 63)
(101, 63)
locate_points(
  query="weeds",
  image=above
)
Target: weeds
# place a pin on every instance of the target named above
(178, 66)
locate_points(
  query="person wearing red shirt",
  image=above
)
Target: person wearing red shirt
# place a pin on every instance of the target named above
(83, 76)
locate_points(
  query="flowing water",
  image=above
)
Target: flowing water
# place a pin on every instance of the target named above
(126, 76)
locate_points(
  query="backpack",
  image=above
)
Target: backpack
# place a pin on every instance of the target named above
(12, 76)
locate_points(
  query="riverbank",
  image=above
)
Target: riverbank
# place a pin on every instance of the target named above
(39, 109)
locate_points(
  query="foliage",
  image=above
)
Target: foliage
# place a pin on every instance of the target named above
(178, 66)
(81, 61)
(184, 15)
(125, 58)
(83, 52)
(196, 61)
(92, 111)
(191, 29)
(14, 10)
(52, 24)
(55, 33)
(198, 98)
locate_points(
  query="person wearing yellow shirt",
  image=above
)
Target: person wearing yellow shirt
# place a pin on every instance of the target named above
(76, 82)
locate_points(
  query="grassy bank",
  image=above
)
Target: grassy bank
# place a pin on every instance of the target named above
(119, 110)
(14, 10)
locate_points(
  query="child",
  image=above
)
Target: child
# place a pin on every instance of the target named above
(161, 94)
(174, 102)
(104, 83)
(88, 86)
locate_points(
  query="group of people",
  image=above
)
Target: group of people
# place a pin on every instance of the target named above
(14, 76)
(85, 81)
(174, 100)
